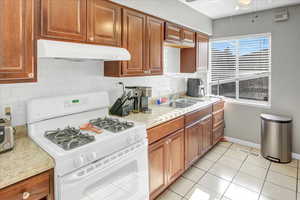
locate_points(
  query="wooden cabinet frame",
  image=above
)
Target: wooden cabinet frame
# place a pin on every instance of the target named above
(198, 138)
(52, 27)
(18, 60)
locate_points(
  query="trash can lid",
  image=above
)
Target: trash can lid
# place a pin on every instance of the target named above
(276, 118)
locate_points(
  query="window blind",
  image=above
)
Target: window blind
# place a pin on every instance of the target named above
(240, 59)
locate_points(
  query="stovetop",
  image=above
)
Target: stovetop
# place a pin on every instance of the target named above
(111, 124)
(69, 138)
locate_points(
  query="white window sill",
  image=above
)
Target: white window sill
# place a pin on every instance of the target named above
(265, 105)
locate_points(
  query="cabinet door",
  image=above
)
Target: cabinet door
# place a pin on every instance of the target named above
(155, 39)
(193, 140)
(34, 188)
(64, 19)
(218, 133)
(188, 38)
(175, 155)
(17, 54)
(134, 32)
(202, 52)
(104, 22)
(158, 166)
(172, 33)
(206, 126)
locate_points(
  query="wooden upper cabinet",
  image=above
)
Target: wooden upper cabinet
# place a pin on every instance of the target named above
(158, 167)
(196, 57)
(176, 155)
(64, 19)
(134, 40)
(17, 52)
(188, 38)
(172, 33)
(104, 22)
(202, 52)
(155, 40)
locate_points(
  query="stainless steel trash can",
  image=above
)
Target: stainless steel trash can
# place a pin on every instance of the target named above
(276, 144)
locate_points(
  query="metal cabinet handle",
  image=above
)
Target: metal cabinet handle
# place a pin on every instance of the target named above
(147, 71)
(25, 195)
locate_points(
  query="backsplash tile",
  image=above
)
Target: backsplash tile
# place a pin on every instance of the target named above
(61, 77)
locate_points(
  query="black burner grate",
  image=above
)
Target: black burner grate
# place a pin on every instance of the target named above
(69, 138)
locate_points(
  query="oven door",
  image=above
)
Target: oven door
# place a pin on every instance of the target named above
(121, 176)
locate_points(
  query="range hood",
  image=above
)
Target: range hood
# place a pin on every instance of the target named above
(79, 51)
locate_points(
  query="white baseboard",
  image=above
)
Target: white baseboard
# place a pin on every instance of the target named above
(253, 145)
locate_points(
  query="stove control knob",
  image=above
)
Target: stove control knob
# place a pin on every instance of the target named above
(79, 161)
(137, 137)
(92, 156)
(129, 140)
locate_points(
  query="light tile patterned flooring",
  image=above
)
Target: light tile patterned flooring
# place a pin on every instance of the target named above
(235, 172)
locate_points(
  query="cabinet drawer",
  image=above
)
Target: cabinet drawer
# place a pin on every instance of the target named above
(218, 133)
(218, 106)
(172, 33)
(196, 115)
(34, 188)
(160, 131)
(218, 118)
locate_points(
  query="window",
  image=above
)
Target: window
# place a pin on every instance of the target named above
(240, 68)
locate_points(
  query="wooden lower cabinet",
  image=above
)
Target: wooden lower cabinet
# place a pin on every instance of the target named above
(175, 155)
(193, 143)
(177, 144)
(166, 158)
(39, 187)
(206, 126)
(218, 133)
(158, 167)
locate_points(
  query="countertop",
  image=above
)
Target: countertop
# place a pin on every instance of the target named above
(164, 113)
(27, 159)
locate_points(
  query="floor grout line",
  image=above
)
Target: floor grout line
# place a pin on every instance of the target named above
(215, 161)
(206, 172)
(297, 182)
(265, 179)
(231, 182)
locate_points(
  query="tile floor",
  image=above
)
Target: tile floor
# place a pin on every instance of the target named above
(235, 172)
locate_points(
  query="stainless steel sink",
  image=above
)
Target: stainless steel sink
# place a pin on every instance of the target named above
(184, 102)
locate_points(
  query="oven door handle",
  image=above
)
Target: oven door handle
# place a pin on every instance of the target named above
(105, 163)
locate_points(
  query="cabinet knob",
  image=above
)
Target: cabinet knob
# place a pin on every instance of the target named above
(25, 195)
(91, 38)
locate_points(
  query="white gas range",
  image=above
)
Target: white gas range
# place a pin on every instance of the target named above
(111, 165)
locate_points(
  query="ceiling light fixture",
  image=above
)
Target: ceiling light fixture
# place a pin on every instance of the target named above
(245, 2)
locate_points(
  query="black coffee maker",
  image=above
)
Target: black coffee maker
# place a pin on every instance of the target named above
(195, 87)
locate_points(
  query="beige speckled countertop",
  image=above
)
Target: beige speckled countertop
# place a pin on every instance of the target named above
(163, 113)
(24, 161)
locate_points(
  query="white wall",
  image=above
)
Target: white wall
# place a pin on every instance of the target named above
(243, 122)
(172, 10)
(60, 77)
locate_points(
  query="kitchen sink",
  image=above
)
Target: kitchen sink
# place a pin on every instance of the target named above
(184, 102)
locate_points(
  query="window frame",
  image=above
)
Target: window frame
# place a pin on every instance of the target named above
(237, 100)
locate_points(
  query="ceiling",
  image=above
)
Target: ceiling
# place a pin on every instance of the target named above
(224, 8)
